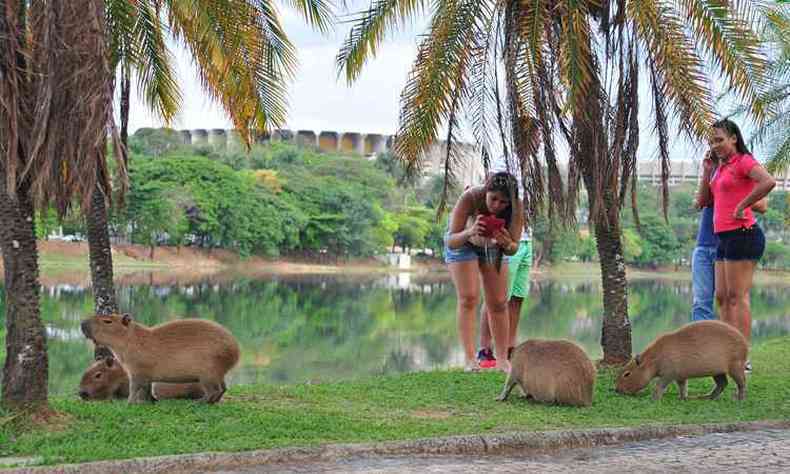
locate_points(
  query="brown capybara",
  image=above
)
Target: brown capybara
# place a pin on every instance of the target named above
(105, 379)
(552, 372)
(182, 351)
(701, 349)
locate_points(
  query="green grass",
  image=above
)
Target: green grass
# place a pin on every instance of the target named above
(374, 409)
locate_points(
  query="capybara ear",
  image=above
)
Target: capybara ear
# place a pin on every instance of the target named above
(126, 319)
(638, 359)
(109, 361)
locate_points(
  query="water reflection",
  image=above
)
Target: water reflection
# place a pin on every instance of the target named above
(314, 328)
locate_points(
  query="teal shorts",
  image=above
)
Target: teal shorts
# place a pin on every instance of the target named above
(518, 270)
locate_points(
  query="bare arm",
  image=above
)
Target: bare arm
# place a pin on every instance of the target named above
(704, 196)
(765, 183)
(761, 206)
(516, 220)
(458, 234)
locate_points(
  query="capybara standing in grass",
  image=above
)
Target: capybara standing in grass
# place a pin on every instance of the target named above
(701, 349)
(552, 372)
(105, 379)
(182, 351)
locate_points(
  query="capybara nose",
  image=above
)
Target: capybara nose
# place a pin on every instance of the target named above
(83, 394)
(86, 329)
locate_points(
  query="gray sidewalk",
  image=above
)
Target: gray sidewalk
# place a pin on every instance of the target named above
(756, 452)
(751, 446)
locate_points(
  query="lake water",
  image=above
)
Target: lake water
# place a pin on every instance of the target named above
(314, 328)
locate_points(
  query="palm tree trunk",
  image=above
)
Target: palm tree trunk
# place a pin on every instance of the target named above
(25, 373)
(616, 326)
(604, 214)
(126, 85)
(101, 260)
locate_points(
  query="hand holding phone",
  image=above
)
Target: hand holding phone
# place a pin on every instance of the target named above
(492, 224)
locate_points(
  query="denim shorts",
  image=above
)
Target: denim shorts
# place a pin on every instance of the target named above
(746, 243)
(470, 252)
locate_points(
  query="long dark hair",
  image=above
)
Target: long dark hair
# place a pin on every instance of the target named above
(505, 183)
(731, 129)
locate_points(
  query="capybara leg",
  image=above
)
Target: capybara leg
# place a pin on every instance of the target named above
(661, 387)
(218, 396)
(212, 392)
(509, 384)
(140, 391)
(721, 384)
(738, 374)
(683, 389)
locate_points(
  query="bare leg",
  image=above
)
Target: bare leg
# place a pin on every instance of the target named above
(514, 315)
(739, 276)
(485, 331)
(495, 287)
(721, 290)
(467, 288)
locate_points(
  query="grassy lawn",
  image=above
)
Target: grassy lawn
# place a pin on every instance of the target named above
(374, 409)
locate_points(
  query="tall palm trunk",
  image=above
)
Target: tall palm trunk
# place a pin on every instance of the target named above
(126, 85)
(616, 327)
(592, 149)
(25, 374)
(101, 259)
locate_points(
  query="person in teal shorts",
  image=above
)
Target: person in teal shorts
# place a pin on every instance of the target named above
(519, 266)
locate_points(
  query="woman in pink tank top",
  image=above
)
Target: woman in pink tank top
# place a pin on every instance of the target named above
(737, 184)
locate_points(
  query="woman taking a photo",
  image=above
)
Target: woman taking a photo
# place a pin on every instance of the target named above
(486, 223)
(733, 188)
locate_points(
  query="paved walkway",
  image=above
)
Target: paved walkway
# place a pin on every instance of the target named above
(761, 451)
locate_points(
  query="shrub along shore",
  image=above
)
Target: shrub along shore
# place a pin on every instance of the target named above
(387, 408)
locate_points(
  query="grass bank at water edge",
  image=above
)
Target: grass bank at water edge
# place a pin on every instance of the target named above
(401, 407)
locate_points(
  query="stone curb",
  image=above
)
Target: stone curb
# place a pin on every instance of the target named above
(540, 441)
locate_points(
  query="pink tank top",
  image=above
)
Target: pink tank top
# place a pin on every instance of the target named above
(730, 185)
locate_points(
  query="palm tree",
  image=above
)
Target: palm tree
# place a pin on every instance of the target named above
(572, 71)
(774, 133)
(53, 134)
(244, 60)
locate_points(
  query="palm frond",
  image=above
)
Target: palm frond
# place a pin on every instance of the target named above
(576, 46)
(152, 62)
(317, 13)
(66, 142)
(681, 70)
(245, 60)
(724, 31)
(481, 96)
(370, 28)
(779, 161)
(440, 73)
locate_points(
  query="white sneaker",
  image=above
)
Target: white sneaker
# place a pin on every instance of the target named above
(748, 367)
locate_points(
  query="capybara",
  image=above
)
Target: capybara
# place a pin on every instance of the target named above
(105, 379)
(181, 351)
(552, 372)
(700, 349)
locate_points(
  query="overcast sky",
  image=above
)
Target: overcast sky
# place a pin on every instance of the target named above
(318, 100)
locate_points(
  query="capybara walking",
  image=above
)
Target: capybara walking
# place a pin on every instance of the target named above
(701, 349)
(105, 379)
(552, 372)
(181, 351)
